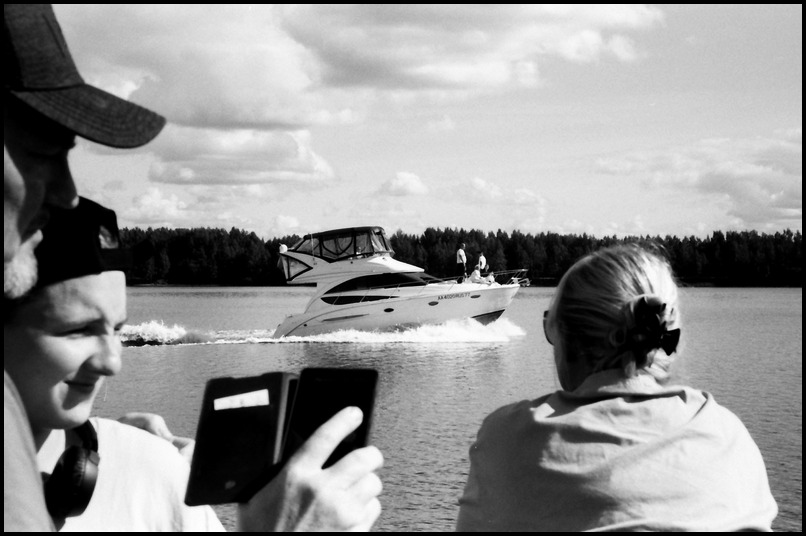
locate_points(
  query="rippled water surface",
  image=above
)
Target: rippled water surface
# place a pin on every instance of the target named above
(437, 383)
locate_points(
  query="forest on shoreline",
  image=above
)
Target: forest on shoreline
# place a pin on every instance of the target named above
(206, 256)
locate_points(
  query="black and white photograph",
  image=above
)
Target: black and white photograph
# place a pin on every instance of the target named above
(403, 267)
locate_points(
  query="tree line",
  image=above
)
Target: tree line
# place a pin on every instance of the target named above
(204, 256)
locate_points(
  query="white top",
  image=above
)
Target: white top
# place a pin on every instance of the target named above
(475, 277)
(482, 261)
(141, 485)
(460, 256)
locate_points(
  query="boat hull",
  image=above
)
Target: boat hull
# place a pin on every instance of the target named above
(403, 309)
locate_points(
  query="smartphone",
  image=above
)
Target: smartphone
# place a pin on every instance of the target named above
(239, 439)
(323, 392)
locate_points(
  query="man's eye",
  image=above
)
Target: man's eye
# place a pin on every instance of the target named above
(78, 330)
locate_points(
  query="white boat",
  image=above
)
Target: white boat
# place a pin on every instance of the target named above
(360, 286)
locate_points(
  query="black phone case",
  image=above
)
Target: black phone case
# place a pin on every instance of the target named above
(322, 393)
(240, 436)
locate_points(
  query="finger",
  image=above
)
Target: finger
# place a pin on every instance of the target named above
(182, 442)
(318, 448)
(150, 422)
(367, 488)
(159, 429)
(356, 464)
(372, 511)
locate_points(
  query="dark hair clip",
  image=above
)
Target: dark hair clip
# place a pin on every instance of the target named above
(649, 331)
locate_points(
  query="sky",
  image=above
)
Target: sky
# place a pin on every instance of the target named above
(640, 119)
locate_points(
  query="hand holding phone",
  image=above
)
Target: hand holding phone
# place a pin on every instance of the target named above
(250, 428)
(322, 393)
(305, 497)
(239, 439)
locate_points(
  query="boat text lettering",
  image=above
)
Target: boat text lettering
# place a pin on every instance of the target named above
(449, 296)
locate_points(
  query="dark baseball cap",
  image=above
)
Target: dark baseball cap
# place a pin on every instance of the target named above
(81, 241)
(40, 71)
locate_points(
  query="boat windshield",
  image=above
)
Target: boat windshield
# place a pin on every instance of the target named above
(345, 243)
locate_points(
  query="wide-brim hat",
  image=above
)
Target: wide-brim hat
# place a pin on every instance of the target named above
(40, 71)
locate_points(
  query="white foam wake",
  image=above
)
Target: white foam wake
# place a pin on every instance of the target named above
(155, 332)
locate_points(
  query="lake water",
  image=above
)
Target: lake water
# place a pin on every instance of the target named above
(437, 383)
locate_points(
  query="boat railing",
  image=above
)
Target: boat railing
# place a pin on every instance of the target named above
(505, 277)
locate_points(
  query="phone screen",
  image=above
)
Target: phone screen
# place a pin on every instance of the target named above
(323, 392)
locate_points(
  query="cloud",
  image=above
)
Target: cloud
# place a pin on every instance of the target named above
(443, 124)
(522, 208)
(241, 85)
(478, 189)
(482, 191)
(205, 156)
(467, 47)
(211, 66)
(403, 184)
(233, 193)
(526, 197)
(758, 180)
(291, 66)
(155, 209)
(283, 226)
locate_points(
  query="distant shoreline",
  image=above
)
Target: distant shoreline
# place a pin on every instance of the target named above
(237, 258)
(537, 282)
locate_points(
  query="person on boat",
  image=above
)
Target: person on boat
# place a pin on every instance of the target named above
(461, 263)
(618, 447)
(476, 277)
(482, 262)
(46, 104)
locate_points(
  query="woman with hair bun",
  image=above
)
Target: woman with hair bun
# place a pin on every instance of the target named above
(617, 448)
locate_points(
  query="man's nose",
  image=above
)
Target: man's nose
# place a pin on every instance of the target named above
(107, 359)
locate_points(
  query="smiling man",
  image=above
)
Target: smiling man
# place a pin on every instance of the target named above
(60, 343)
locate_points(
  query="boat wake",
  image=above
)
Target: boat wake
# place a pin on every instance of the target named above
(156, 333)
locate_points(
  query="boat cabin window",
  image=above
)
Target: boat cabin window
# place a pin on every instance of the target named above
(337, 245)
(394, 280)
(293, 267)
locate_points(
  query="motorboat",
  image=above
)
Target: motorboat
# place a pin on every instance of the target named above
(360, 286)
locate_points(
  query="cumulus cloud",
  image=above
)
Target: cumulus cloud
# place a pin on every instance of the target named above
(284, 67)
(233, 193)
(483, 191)
(403, 184)
(205, 156)
(241, 84)
(447, 46)
(212, 66)
(524, 208)
(156, 209)
(480, 190)
(759, 181)
(526, 197)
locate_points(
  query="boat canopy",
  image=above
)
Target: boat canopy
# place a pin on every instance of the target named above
(344, 243)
